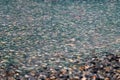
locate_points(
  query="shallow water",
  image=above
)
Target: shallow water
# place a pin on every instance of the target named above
(34, 26)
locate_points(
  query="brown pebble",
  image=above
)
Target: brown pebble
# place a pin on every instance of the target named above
(107, 78)
(32, 73)
(52, 78)
(63, 71)
(118, 70)
(87, 66)
(82, 68)
(94, 77)
(107, 69)
(11, 78)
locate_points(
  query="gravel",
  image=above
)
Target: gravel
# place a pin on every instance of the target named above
(59, 39)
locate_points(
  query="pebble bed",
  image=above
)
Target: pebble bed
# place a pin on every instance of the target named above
(106, 67)
(59, 40)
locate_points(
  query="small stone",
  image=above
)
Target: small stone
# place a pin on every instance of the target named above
(81, 68)
(27, 76)
(73, 39)
(63, 71)
(94, 77)
(107, 78)
(70, 60)
(17, 74)
(52, 59)
(2, 43)
(11, 78)
(31, 78)
(32, 73)
(70, 70)
(87, 66)
(29, 68)
(53, 71)
(10, 73)
(74, 67)
(84, 78)
(52, 77)
(60, 66)
(107, 69)
(118, 70)
(76, 77)
(18, 71)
